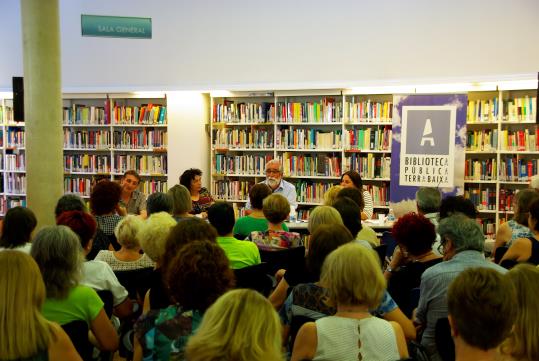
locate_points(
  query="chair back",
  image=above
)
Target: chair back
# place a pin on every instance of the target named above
(295, 325)
(254, 277)
(500, 252)
(413, 301)
(101, 242)
(381, 250)
(444, 341)
(283, 258)
(387, 239)
(108, 300)
(136, 282)
(78, 333)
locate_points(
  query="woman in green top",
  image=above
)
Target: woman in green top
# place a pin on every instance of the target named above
(57, 252)
(255, 221)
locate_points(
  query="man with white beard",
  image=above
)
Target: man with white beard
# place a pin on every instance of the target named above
(274, 179)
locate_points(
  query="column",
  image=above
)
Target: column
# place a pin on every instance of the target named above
(42, 106)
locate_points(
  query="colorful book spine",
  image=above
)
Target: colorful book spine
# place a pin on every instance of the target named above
(370, 165)
(147, 114)
(513, 169)
(226, 164)
(485, 140)
(378, 138)
(311, 192)
(231, 189)
(484, 110)
(368, 111)
(520, 140)
(153, 186)
(310, 165)
(506, 199)
(140, 139)
(15, 183)
(86, 139)
(480, 169)
(482, 198)
(327, 110)
(143, 164)
(84, 115)
(521, 109)
(229, 112)
(87, 163)
(15, 162)
(379, 194)
(77, 185)
(15, 138)
(243, 138)
(294, 138)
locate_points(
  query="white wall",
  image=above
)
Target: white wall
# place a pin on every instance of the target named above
(248, 44)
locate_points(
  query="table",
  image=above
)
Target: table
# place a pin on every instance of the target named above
(374, 224)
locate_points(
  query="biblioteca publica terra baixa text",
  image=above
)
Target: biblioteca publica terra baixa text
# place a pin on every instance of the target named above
(431, 169)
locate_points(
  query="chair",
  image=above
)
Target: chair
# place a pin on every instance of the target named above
(295, 325)
(78, 333)
(413, 301)
(381, 250)
(254, 277)
(283, 258)
(387, 239)
(136, 282)
(444, 341)
(108, 300)
(500, 252)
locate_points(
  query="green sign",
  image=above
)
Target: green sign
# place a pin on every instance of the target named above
(116, 26)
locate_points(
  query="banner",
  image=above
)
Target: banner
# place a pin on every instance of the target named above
(428, 145)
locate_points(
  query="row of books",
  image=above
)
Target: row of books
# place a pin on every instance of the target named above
(144, 114)
(229, 112)
(78, 185)
(379, 194)
(240, 164)
(87, 163)
(480, 169)
(483, 198)
(243, 138)
(87, 139)
(488, 225)
(312, 192)
(520, 109)
(15, 183)
(15, 162)
(485, 140)
(483, 110)
(310, 165)
(520, 140)
(378, 138)
(308, 139)
(153, 185)
(15, 138)
(231, 189)
(140, 139)
(367, 111)
(506, 200)
(369, 166)
(6, 113)
(327, 110)
(84, 114)
(143, 164)
(517, 170)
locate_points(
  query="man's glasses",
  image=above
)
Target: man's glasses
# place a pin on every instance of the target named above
(272, 171)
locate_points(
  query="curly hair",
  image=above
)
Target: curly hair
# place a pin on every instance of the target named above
(415, 232)
(19, 223)
(104, 197)
(82, 223)
(188, 176)
(198, 275)
(185, 232)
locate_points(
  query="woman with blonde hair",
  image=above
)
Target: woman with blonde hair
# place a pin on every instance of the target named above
(323, 215)
(355, 283)
(240, 326)
(181, 202)
(26, 334)
(331, 195)
(523, 343)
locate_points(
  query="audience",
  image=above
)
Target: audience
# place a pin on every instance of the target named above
(482, 308)
(132, 200)
(96, 274)
(462, 242)
(353, 179)
(428, 201)
(240, 253)
(517, 227)
(104, 203)
(415, 235)
(17, 228)
(196, 277)
(69, 202)
(366, 233)
(527, 249)
(26, 334)
(255, 221)
(322, 215)
(181, 202)
(158, 202)
(200, 196)
(276, 209)
(523, 342)
(351, 216)
(241, 326)
(128, 258)
(57, 252)
(331, 195)
(355, 284)
(457, 204)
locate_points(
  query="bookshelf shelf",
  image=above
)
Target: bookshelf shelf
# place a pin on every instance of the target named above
(86, 125)
(219, 149)
(367, 123)
(311, 177)
(238, 175)
(308, 123)
(308, 150)
(471, 181)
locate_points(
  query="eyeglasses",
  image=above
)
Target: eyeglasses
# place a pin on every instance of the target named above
(272, 171)
(441, 246)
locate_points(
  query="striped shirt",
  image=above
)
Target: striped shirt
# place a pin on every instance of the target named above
(369, 205)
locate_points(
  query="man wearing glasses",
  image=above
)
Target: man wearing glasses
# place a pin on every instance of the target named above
(274, 179)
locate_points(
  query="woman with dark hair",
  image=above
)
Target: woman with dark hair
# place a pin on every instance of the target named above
(19, 223)
(200, 196)
(104, 203)
(196, 277)
(527, 249)
(415, 236)
(353, 179)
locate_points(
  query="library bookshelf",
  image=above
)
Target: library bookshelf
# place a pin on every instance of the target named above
(318, 135)
(104, 134)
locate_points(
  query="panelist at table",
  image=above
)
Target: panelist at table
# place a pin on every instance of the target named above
(274, 179)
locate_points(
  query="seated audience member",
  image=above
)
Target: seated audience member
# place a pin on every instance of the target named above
(323, 215)
(527, 249)
(428, 202)
(517, 227)
(128, 258)
(352, 179)
(523, 342)
(69, 202)
(241, 326)
(181, 202)
(196, 277)
(255, 221)
(240, 253)
(158, 202)
(331, 195)
(457, 204)
(352, 275)
(132, 200)
(26, 334)
(17, 228)
(96, 274)
(415, 235)
(351, 216)
(482, 308)
(462, 242)
(276, 209)
(153, 238)
(200, 196)
(104, 203)
(56, 250)
(366, 233)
